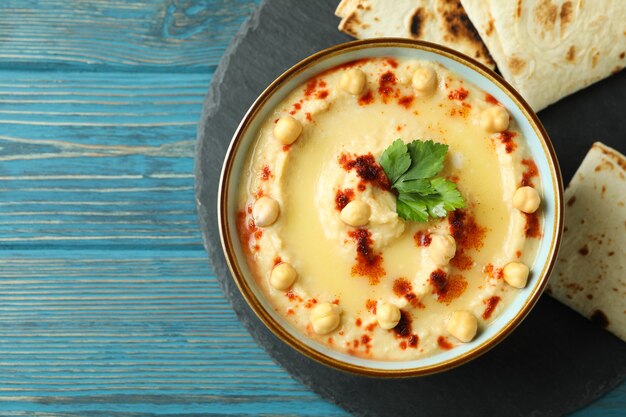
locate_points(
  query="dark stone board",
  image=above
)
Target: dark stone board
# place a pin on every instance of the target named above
(554, 363)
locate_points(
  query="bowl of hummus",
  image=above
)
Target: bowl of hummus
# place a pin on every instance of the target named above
(390, 207)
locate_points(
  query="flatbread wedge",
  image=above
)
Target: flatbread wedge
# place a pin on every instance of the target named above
(439, 21)
(548, 49)
(590, 275)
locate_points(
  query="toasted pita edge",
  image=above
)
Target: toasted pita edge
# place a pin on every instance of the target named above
(479, 13)
(448, 24)
(344, 7)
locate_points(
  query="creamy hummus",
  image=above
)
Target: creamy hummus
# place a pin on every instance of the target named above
(388, 289)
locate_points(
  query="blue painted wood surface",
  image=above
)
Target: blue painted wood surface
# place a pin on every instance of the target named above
(108, 305)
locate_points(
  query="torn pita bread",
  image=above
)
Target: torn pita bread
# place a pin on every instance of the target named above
(590, 274)
(438, 21)
(344, 7)
(548, 49)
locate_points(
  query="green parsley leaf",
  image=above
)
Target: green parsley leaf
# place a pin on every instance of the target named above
(426, 159)
(451, 197)
(411, 169)
(420, 186)
(412, 207)
(395, 160)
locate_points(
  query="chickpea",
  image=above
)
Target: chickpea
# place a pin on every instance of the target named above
(494, 119)
(356, 213)
(325, 318)
(353, 81)
(283, 276)
(287, 130)
(265, 211)
(463, 325)
(388, 316)
(516, 274)
(526, 199)
(442, 248)
(424, 80)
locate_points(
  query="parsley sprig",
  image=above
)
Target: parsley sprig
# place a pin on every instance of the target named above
(412, 169)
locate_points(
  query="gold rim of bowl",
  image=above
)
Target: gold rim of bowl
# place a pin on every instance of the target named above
(228, 242)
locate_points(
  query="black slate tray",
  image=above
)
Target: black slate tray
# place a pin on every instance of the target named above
(554, 363)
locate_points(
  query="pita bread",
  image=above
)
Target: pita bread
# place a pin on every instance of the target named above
(548, 49)
(439, 21)
(344, 7)
(590, 275)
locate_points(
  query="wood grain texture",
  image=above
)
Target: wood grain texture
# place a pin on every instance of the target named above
(108, 306)
(97, 35)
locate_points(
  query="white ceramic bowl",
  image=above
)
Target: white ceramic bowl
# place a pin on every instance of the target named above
(472, 71)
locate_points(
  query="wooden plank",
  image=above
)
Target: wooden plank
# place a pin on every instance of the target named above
(92, 172)
(158, 35)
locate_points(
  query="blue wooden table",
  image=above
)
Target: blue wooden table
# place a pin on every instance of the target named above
(108, 305)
